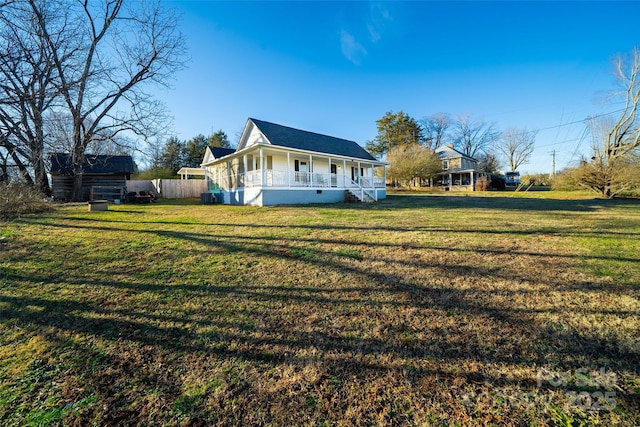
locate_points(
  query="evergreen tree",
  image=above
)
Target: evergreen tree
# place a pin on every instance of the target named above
(395, 130)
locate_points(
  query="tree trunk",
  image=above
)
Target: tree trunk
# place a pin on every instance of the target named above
(22, 168)
(37, 159)
(40, 174)
(607, 192)
(4, 171)
(78, 160)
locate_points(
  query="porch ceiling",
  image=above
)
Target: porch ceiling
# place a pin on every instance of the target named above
(450, 171)
(270, 149)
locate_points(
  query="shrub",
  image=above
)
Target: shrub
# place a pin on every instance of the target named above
(20, 199)
(498, 182)
(482, 184)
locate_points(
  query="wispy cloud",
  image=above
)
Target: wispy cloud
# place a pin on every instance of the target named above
(351, 48)
(361, 34)
(379, 19)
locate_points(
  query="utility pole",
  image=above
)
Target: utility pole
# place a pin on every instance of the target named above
(553, 166)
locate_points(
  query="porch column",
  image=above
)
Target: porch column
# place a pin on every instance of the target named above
(358, 175)
(244, 166)
(229, 175)
(261, 167)
(384, 169)
(311, 169)
(473, 184)
(450, 181)
(344, 173)
(288, 169)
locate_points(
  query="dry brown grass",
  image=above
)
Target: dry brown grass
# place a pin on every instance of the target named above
(413, 311)
(20, 199)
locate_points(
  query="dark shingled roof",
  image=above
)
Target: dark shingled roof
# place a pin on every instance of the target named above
(93, 164)
(302, 140)
(445, 152)
(221, 152)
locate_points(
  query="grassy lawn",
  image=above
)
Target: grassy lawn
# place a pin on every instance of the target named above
(417, 310)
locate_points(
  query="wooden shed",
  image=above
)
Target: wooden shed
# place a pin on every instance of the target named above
(103, 176)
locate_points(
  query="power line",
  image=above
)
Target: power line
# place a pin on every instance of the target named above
(558, 143)
(584, 134)
(579, 140)
(578, 121)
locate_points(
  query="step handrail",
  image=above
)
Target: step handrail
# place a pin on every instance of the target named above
(363, 191)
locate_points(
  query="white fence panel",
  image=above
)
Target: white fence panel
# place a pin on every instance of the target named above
(182, 188)
(170, 188)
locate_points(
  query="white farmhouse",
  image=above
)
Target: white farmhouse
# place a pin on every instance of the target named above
(276, 165)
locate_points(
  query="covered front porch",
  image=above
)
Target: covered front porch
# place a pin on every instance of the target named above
(265, 167)
(460, 180)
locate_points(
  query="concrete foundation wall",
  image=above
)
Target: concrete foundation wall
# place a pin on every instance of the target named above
(256, 196)
(272, 197)
(296, 197)
(460, 188)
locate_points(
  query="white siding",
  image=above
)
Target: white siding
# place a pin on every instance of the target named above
(280, 162)
(255, 137)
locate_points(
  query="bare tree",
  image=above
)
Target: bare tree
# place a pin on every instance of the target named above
(516, 145)
(616, 141)
(59, 131)
(624, 135)
(473, 136)
(121, 49)
(27, 91)
(435, 129)
(488, 162)
(607, 175)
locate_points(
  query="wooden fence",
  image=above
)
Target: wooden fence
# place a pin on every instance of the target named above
(170, 188)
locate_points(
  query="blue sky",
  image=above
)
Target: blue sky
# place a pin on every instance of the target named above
(337, 67)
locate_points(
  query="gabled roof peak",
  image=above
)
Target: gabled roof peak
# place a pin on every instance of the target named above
(289, 137)
(448, 152)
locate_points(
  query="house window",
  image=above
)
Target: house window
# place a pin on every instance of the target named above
(445, 164)
(300, 168)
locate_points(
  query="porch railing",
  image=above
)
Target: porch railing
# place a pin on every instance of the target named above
(277, 178)
(379, 182)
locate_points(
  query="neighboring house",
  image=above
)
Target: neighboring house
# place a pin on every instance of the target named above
(512, 179)
(459, 171)
(276, 165)
(103, 176)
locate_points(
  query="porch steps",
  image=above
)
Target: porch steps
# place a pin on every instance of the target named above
(354, 197)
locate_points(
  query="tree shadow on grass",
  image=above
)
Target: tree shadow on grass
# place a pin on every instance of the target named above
(480, 202)
(206, 238)
(427, 329)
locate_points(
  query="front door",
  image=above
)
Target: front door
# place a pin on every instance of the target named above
(334, 175)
